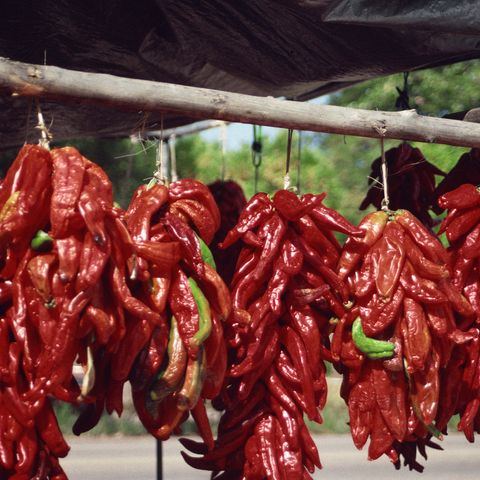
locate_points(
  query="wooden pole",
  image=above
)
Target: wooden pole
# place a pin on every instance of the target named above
(130, 94)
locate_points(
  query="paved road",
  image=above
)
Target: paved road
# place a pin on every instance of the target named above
(128, 458)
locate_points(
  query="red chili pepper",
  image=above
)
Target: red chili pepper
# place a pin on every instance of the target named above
(92, 262)
(200, 417)
(216, 361)
(458, 301)
(6, 445)
(386, 316)
(39, 270)
(391, 396)
(416, 335)
(272, 232)
(365, 283)
(189, 243)
(426, 390)
(421, 264)
(125, 298)
(69, 252)
(194, 190)
(144, 204)
(216, 292)
(332, 220)
(289, 458)
(361, 409)
(150, 359)
(242, 409)
(309, 447)
(464, 196)
(471, 245)
(27, 448)
(93, 216)
(462, 225)
(265, 434)
(291, 207)
(304, 323)
(163, 255)
(30, 191)
(199, 215)
(420, 289)
(49, 431)
(67, 181)
(316, 239)
(436, 318)
(184, 308)
(462, 268)
(380, 437)
(390, 260)
(298, 353)
(257, 211)
(248, 381)
(431, 246)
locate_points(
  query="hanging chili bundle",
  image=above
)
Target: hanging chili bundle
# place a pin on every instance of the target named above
(30, 438)
(283, 291)
(128, 295)
(462, 228)
(411, 182)
(173, 273)
(230, 200)
(393, 345)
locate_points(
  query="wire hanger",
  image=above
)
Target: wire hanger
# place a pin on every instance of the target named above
(172, 156)
(45, 135)
(256, 153)
(403, 99)
(299, 160)
(286, 178)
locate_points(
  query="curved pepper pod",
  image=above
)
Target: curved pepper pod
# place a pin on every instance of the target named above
(464, 196)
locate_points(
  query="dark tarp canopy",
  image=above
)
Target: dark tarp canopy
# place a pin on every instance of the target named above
(285, 48)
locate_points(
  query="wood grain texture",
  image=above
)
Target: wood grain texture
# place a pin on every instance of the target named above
(121, 93)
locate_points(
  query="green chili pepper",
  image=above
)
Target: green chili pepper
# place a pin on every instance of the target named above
(169, 379)
(207, 255)
(41, 241)
(189, 394)
(89, 376)
(370, 346)
(9, 206)
(205, 323)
